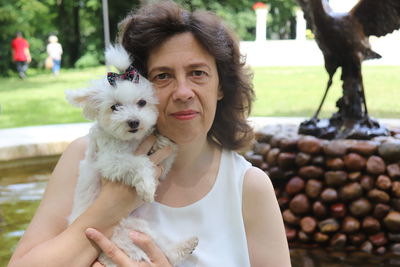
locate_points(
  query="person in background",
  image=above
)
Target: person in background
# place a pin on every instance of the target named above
(20, 54)
(54, 51)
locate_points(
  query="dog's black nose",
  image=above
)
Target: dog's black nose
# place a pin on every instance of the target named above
(134, 124)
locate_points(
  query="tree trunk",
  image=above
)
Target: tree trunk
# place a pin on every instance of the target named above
(76, 33)
(68, 19)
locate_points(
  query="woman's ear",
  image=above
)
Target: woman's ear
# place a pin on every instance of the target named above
(220, 93)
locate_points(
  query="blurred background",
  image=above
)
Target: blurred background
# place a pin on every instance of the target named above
(79, 25)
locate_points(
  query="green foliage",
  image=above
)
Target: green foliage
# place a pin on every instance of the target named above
(79, 24)
(90, 59)
(33, 19)
(281, 20)
(118, 10)
(238, 14)
(242, 21)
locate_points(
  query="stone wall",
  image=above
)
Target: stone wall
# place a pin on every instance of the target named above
(344, 194)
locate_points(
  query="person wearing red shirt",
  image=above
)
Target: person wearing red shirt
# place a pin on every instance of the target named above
(21, 55)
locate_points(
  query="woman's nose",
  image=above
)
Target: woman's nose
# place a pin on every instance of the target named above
(183, 91)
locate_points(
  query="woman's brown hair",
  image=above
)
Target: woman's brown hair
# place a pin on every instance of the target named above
(151, 25)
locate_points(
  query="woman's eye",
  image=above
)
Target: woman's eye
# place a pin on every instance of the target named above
(141, 103)
(162, 76)
(115, 107)
(198, 73)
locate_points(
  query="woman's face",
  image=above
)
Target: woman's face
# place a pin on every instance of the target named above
(186, 80)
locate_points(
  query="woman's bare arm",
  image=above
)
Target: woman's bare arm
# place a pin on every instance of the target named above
(49, 241)
(265, 231)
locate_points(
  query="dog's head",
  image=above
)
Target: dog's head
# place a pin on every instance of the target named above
(127, 110)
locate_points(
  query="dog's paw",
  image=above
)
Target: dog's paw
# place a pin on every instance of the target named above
(182, 250)
(146, 194)
(191, 245)
(146, 187)
(133, 170)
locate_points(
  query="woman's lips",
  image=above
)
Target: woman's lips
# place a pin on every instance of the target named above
(184, 115)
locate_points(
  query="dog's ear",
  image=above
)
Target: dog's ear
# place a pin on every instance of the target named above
(85, 99)
(77, 98)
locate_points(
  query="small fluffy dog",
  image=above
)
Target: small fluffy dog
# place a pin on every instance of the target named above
(124, 110)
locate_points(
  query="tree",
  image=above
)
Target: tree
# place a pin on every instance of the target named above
(32, 18)
(79, 25)
(281, 20)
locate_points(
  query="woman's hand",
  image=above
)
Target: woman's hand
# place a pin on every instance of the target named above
(156, 256)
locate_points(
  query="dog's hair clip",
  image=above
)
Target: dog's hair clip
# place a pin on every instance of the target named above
(130, 74)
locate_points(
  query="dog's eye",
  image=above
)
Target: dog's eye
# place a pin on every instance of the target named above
(142, 103)
(115, 107)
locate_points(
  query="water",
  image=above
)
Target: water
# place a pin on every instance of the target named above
(20, 197)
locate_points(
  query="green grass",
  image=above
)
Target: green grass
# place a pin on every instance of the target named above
(281, 91)
(297, 91)
(40, 100)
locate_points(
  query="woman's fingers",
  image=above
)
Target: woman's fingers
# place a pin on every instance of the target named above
(146, 145)
(109, 248)
(97, 264)
(155, 255)
(152, 251)
(155, 156)
(158, 156)
(145, 148)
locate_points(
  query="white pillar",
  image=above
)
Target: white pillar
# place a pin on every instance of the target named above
(106, 28)
(261, 26)
(301, 25)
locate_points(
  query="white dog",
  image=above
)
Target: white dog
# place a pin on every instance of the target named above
(125, 111)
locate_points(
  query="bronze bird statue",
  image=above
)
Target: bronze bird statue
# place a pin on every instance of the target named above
(344, 41)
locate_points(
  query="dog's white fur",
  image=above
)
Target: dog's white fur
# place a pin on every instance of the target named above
(118, 57)
(112, 142)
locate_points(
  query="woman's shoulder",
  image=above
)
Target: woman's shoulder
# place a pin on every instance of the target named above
(256, 180)
(78, 146)
(258, 190)
(67, 167)
(80, 142)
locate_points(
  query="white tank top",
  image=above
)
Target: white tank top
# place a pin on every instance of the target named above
(216, 219)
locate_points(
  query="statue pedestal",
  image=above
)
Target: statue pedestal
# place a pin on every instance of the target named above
(341, 194)
(337, 128)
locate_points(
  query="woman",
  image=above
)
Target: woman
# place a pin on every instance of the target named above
(211, 192)
(54, 51)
